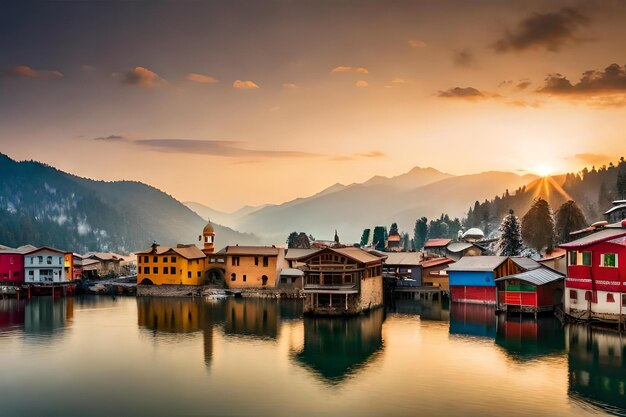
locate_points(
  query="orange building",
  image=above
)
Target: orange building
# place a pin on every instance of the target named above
(252, 266)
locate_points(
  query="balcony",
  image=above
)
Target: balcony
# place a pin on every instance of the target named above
(330, 284)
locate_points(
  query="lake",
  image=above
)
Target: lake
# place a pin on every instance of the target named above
(100, 356)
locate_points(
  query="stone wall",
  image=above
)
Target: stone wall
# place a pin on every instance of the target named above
(170, 290)
(371, 293)
(207, 290)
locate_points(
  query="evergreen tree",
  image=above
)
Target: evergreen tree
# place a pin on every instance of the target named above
(292, 240)
(420, 232)
(393, 230)
(569, 218)
(365, 237)
(510, 240)
(378, 240)
(621, 179)
(303, 241)
(538, 226)
(406, 242)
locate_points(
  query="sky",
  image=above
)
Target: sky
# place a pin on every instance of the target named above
(252, 102)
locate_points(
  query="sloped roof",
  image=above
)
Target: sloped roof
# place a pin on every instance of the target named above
(299, 253)
(539, 276)
(394, 238)
(43, 248)
(250, 250)
(474, 232)
(555, 254)
(436, 243)
(291, 272)
(477, 263)
(358, 254)
(436, 261)
(597, 237)
(456, 247)
(186, 251)
(525, 263)
(104, 256)
(402, 258)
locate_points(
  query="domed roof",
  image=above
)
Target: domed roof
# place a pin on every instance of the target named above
(474, 233)
(208, 229)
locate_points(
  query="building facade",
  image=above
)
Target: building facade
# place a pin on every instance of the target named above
(178, 265)
(45, 265)
(435, 274)
(341, 281)
(11, 267)
(595, 286)
(252, 266)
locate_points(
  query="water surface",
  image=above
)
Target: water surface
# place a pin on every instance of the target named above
(100, 356)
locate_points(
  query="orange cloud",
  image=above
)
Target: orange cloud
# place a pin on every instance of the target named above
(417, 44)
(27, 72)
(357, 70)
(245, 85)
(361, 84)
(143, 77)
(291, 86)
(201, 78)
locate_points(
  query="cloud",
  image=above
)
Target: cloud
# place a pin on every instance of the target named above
(233, 149)
(111, 138)
(357, 70)
(523, 84)
(550, 31)
(417, 44)
(467, 93)
(245, 85)
(361, 155)
(398, 81)
(201, 78)
(24, 71)
(361, 84)
(525, 103)
(601, 87)
(291, 86)
(142, 77)
(597, 159)
(464, 58)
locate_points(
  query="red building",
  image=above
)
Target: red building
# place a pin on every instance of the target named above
(596, 271)
(11, 267)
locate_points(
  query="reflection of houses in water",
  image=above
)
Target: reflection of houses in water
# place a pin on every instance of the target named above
(12, 313)
(47, 316)
(527, 338)
(335, 348)
(167, 316)
(597, 368)
(436, 310)
(472, 320)
(252, 317)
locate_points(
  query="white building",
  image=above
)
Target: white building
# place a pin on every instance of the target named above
(44, 265)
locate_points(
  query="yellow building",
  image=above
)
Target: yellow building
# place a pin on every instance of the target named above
(252, 266)
(181, 264)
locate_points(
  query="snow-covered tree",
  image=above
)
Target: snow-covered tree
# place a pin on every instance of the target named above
(510, 240)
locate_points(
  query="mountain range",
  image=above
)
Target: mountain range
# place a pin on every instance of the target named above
(377, 201)
(42, 205)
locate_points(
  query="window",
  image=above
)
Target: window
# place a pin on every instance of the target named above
(199, 274)
(188, 274)
(60, 260)
(233, 277)
(165, 270)
(573, 258)
(588, 296)
(266, 261)
(610, 298)
(11, 260)
(32, 260)
(172, 259)
(235, 260)
(264, 280)
(165, 259)
(586, 258)
(172, 270)
(244, 278)
(155, 259)
(293, 280)
(40, 259)
(146, 270)
(283, 280)
(145, 259)
(256, 261)
(16, 274)
(49, 260)
(608, 260)
(31, 273)
(155, 270)
(573, 295)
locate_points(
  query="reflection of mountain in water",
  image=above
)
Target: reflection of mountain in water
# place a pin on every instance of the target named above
(472, 320)
(597, 368)
(47, 316)
(436, 310)
(525, 337)
(258, 318)
(166, 318)
(337, 347)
